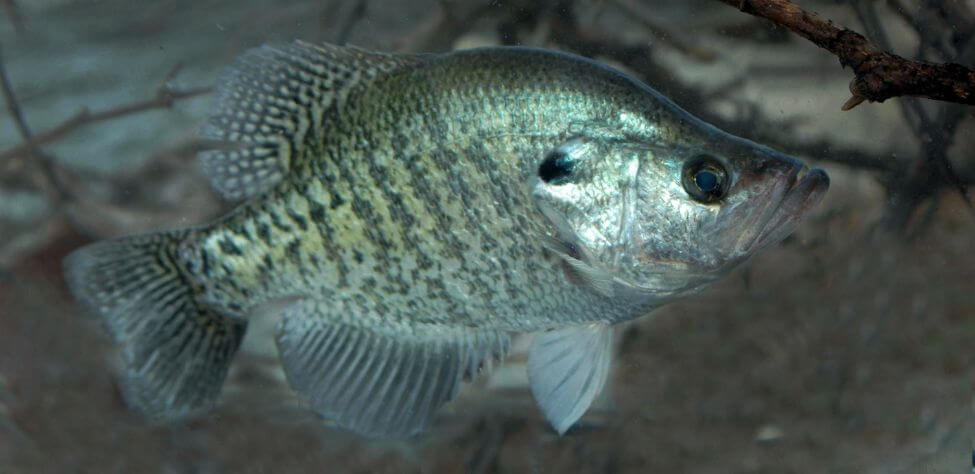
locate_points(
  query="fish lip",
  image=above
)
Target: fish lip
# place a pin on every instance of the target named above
(807, 187)
(798, 175)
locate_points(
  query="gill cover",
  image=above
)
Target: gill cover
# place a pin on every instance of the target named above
(587, 192)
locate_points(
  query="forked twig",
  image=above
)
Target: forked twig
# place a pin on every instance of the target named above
(11, 100)
(16, 18)
(664, 34)
(163, 99)
(44, 161)
(879, 75)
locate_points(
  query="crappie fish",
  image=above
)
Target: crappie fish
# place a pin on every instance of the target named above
(409, 212)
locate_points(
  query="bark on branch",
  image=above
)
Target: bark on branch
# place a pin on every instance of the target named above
(879, 75)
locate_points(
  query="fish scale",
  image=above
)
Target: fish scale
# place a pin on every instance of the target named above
(406, 213)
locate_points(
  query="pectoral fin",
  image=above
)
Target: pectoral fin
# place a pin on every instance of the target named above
(567, 369)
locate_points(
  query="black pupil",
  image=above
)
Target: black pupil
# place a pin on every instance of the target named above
(706, 180)
(555, 168)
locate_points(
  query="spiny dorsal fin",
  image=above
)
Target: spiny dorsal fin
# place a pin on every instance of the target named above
(272, 107)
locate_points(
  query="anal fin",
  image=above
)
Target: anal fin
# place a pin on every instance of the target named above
(376, 376)
(567, 369)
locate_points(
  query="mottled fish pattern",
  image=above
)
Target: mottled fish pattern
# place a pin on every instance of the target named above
(411, 211)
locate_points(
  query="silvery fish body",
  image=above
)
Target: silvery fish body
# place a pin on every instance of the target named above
(409, 212)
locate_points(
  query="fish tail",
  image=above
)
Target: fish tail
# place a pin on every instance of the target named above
(175, 349)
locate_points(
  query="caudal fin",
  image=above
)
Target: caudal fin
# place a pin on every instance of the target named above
(175, 350)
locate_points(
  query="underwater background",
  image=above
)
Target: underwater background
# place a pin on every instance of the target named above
(848, 348)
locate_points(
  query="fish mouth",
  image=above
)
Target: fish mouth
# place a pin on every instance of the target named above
(806, 189)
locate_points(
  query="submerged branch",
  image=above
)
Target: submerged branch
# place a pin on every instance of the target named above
(163, 99)
(44, 162)
(639, 13)
(48, 177)
(879, 75)
(13, 106)
(16, 18)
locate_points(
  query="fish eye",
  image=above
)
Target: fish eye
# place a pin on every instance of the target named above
(705, 179)
(556, 168)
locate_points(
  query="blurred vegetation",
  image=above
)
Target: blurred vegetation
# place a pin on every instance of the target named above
(847, 349)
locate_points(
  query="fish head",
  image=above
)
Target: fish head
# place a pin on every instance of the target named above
(665, 220)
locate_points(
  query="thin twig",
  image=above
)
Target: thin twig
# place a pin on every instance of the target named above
(439, 31)
(11, 100)
(358, 13)
(957, 16)
(879, 75)
(44, 161)
(163, 99)
(16, 18)
(931, 27)
(647, 19)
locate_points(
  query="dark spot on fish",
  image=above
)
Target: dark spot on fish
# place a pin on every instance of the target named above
(436, 287)
(357, 255)
(556, 168)
(424, 261)
(228, 247)
(264, 232)
(316, 211)
(400, 142)
(293, 251)
(244, 231)
(336, 201)
(361, 300)
(572, 250)
(298, 219)
(205, 260)
(276, 221)
(268, 263)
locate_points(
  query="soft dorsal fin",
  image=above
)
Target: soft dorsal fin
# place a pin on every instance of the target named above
(272, 106)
